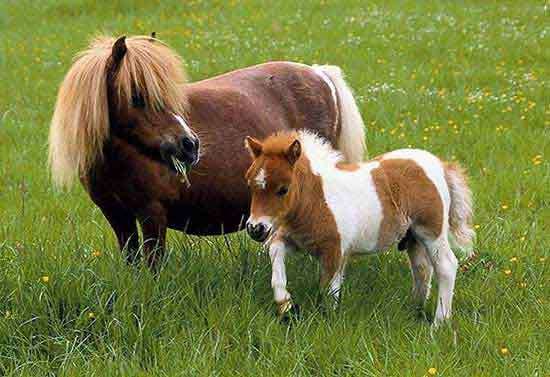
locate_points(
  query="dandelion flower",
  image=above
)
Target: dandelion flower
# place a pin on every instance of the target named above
(513, 259)
(504, 206)
(507, 272)
(504, 351)
(96, 253)
(91, 315)
(477, 226)
(45, 279)
(432, 371)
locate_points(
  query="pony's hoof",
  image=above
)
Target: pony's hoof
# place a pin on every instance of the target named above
(289, 313)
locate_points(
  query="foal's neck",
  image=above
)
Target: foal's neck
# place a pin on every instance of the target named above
(309, 219)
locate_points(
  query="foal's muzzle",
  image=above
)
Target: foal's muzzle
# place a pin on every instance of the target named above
(257, 231)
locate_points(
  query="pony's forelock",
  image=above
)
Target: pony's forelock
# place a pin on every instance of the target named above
(80, 123)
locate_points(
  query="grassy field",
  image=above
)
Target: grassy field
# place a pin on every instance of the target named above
(467, 80)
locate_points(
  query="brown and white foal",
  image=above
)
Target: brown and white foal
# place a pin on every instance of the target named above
(303, 196)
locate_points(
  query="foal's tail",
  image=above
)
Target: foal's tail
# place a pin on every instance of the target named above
(460, 212)
(351, 141)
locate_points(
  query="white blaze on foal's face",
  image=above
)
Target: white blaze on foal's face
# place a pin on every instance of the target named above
(270, 179)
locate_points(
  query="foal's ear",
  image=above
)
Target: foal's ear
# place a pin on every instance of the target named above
(254, 146)
(293, 152)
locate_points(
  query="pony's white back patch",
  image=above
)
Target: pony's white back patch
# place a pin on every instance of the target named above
(260, 179)
(328, 81)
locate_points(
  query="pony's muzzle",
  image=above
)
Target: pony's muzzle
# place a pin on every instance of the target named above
(257, 231)
(185, 149)
(189, 147)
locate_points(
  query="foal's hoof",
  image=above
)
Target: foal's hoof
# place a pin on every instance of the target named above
(288, 313)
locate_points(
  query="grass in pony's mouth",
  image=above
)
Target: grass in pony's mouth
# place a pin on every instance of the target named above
(181, 169)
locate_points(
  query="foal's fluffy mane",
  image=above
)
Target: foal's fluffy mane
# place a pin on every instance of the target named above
(317, 149)
(320, 153)
(80, 123)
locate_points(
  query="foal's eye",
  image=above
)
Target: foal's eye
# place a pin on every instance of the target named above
(282, 191)
(138, 101)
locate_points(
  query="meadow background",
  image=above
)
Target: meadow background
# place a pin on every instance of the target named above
(468, 80)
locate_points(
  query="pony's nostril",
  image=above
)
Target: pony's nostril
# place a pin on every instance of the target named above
(187, 144)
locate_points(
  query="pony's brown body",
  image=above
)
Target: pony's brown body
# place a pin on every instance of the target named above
(125, 117)
(130, 184)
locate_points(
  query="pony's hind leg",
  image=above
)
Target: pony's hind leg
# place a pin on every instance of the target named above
(421, 271)
(445, 265)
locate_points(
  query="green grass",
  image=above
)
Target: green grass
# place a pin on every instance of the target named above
(466, 80)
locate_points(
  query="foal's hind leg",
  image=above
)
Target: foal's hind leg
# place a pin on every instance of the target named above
(421, 270)
(445, 265)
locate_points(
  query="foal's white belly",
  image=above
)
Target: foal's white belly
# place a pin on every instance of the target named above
(352, 198)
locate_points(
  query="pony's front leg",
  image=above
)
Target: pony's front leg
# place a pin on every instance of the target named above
(278, 249)
(333, 266)
(154, 227)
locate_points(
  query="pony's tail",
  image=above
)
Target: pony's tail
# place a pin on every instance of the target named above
(460, 212)
(351, 141)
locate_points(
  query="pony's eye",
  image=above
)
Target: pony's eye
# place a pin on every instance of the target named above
(138, 101)
(282, 191)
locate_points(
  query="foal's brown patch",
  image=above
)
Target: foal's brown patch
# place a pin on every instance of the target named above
(407, 196)
(347, 167)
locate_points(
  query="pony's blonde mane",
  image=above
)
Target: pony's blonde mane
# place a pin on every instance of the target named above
(80, 123)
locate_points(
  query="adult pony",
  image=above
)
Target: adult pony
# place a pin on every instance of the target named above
(129, 126)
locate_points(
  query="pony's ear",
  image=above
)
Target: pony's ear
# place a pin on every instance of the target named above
(119, 50)
(254, 146)
(293, 152)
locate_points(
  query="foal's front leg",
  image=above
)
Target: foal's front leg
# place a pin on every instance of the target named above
(278, 249)
(333, 266)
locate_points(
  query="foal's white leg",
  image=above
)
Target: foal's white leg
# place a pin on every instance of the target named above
(421, 270)
(277, 252)
(445, 265)
(333, 265)
(335, 284)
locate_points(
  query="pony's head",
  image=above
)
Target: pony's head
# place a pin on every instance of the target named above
(272, 182)
(129, 89)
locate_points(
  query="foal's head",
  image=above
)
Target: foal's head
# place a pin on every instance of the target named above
(272, 182)
(146, 107)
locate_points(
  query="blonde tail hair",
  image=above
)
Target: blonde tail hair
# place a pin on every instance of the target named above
(460, 212)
